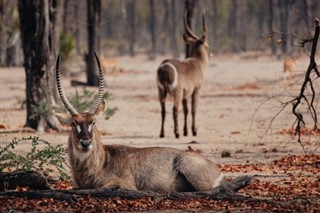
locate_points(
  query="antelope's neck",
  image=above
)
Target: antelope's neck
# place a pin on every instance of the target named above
(202, 56)
(86, 165)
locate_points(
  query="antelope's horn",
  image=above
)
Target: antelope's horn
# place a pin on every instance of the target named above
(189, 31)
(63, 97)
(101, 88)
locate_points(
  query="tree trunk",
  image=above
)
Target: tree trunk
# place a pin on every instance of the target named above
(39, 35)
(130, 8)
(271, 23)
(94, 20)
(189, 8)
(153, 28)
(2, 34)
(174, 30)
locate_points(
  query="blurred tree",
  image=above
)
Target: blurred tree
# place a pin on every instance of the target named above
(174, 30)
(189, 9)
(39, 21)
(10, 46)
(94, 30)
(271, 24)
(153, 27)
(130, 9)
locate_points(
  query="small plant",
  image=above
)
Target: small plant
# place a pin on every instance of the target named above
(44, 160)
(84, 100)
(43, 110)
(66, 44)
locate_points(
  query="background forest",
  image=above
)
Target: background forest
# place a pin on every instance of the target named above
(254, 118)
(155, 27)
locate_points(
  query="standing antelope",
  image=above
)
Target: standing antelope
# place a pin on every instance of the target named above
(159, 169)
(183, 79)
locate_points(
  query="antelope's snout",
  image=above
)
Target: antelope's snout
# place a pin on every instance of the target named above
(85, 144)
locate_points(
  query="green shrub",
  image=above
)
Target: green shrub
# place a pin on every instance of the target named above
(82, 101)
(67, 43)
(44, 160)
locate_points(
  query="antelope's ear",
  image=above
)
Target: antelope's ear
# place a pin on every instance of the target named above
(102, 108)
(64, 118)
(188, 39)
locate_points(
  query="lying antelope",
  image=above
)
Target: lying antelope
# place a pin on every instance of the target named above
(159, 169)
(183, 79)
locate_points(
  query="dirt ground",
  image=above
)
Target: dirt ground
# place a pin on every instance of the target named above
(233, 114)
(240, 96)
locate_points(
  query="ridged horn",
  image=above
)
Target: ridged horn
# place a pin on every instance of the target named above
(63, 97)
(101, 88)
(189, 31)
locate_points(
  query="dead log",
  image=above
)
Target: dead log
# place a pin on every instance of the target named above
(225, 191)
(31, 179)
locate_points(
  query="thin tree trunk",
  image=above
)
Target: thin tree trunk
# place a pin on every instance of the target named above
(153, 27)
(39, 34)
(271, 23)
(94, 20)
(130, 8)
(189, 8)
(2, 34)
(174, 30)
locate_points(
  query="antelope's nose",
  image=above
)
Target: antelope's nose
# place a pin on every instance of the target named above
(85, 143)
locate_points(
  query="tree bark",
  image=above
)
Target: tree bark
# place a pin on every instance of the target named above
(189, 8)
(271, 23)
(226, 191)
(40, 39)
(152, 26)
(130, 8)
(174, 30)
(33, 180)
(94, 29)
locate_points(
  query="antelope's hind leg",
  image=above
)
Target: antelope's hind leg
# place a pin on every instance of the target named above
(200, 172)
(162, 99)
(185, 112)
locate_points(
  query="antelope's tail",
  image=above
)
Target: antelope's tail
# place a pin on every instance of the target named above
(167, 77)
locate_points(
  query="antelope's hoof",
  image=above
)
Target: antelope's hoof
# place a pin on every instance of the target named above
(177, 135)
(161, 135)
(185, 133)
(194, 133)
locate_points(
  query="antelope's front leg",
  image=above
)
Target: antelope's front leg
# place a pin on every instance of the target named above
(185, 112)
(195, 100)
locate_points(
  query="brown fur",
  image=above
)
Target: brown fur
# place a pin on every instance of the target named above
(183, 80)
(289, 69)
(157, 169)
(111, 66)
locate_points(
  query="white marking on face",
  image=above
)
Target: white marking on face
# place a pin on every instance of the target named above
(218, 180)
(78, 128)
(90, 127)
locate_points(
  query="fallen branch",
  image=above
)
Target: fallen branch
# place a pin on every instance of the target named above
(30, 179)
(225, 191)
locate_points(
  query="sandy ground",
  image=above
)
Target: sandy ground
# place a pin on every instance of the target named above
(233, 114)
